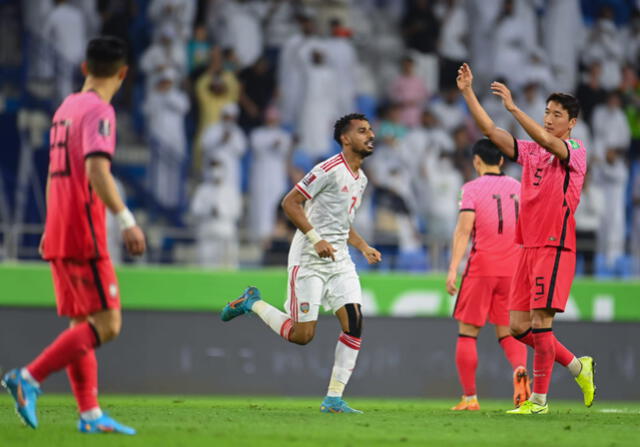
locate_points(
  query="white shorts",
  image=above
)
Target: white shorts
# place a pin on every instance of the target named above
(308, 289)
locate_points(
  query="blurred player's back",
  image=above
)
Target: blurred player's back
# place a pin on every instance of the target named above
(83, 125)
(495, 200)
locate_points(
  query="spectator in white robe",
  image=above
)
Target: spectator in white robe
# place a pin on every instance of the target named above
(450, 109)
(225, 142)
(563, 36)
(605, 44)
(270, 148)
(510, 43)
(319, 105)
(242, 31)
(612, 138)
(216, 207)
(291, 60)
(166, 52)
(344, 60)
(178, 13)
(65, 30)
(165, 108)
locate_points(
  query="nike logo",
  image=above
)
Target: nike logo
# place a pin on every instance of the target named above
(537, 412)
(537, 298)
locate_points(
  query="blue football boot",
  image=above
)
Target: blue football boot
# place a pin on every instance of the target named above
(24, 394)
(336, 405)
(104, 424)
(241, 305)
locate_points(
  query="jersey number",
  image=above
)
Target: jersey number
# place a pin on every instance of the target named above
(538, 176)
(59, 165)
(353, 203)
(498, 198)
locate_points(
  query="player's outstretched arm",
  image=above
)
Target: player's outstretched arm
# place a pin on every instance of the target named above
(461, 235)
(292, 204)
(500, 137)
(98, 170)
(373, 256)
(548, 141)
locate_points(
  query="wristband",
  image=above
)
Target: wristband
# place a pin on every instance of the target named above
(125, 219)
(313, 236)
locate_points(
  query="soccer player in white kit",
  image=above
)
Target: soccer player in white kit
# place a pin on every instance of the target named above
(323, 205)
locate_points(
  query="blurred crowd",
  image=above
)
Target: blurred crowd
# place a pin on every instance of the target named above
(236, 99)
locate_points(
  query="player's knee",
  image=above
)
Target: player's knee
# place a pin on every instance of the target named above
(303, 338)
(109, 330)
(519, 328)
(354, 315)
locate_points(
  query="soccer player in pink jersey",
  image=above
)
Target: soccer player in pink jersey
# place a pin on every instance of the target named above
(488, 214)
(553, 170)
(79, 185)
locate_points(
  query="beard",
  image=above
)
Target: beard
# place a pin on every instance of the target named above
(364, 152)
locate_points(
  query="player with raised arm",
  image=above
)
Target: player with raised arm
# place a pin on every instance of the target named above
(323, 206)
(488, 214)
(79, 185)
(553, 170)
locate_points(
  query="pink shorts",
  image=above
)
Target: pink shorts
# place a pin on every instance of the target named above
(84, 287)
(543, 279)
(482, 297)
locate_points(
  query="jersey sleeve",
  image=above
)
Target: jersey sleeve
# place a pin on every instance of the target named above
(467, 200)
(99, 132)
(313, 183)
(523, 150)
(577, 156)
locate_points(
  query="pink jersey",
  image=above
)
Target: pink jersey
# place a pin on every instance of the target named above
(550, 194)
(495, 200)
(84, 125)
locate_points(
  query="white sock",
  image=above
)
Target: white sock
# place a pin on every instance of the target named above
(575, 367)
(470, 398)
(26, 375)
(91, 415)
(346, 355)
(537, 398)
(275, 319)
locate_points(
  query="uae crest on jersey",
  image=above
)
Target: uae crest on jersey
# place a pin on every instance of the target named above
(304, 307)
(104, 128)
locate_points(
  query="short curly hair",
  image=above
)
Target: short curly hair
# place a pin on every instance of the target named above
(342, 125)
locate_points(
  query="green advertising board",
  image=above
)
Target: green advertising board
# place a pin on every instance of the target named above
(392, 294)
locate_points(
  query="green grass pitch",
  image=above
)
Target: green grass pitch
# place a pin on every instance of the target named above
(191, 421)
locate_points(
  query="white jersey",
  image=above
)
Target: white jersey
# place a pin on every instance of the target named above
(334, 194)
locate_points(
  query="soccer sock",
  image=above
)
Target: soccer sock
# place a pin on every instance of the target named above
(275, 319)
(543, 359)
(563, 355)
(83, 376)
(70, 345)
(347, 351)
(515, 351)
(467, 362)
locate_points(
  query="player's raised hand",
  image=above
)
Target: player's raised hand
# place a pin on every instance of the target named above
(465, 77)
(134, 241)
(325, 250)
(501, 90)
(452, 279)
(373, 256)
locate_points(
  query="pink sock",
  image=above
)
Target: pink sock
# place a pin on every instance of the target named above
(467, 362)
(83, 376)
(515, 351)
(71, 344)
(563, 355)
(543, 359)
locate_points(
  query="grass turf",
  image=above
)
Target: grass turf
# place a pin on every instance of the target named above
(270, 421)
